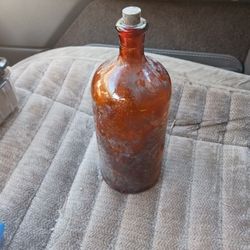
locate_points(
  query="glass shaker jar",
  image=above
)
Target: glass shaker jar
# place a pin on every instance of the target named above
(8, 99)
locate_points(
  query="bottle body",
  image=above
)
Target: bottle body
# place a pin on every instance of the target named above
(131, 96)
(130, 104)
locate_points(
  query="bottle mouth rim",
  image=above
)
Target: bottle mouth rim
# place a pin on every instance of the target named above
(121, 26)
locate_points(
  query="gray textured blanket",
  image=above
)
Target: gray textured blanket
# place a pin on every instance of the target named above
(51, 193)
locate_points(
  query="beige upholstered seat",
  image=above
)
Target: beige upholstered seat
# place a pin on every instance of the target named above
(52, 196)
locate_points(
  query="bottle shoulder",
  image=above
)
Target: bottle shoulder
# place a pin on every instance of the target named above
(117, 79)
(116, 64)
(157, 66)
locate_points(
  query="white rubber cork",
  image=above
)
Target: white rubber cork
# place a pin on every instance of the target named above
(131, 15)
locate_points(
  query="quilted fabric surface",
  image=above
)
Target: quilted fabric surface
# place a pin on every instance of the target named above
(53, 197)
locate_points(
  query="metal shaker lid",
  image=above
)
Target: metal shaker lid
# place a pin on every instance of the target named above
(3, 65)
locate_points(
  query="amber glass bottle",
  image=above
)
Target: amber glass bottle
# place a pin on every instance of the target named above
(131, 96)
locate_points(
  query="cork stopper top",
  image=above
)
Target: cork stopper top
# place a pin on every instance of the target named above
(131, 15)
(131, 19)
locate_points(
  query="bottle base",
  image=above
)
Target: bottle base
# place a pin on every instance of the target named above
(129, 190)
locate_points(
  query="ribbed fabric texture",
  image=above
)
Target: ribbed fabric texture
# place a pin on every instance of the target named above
(53, 197)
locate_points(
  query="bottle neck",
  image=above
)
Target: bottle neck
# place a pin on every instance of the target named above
(132, 46)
